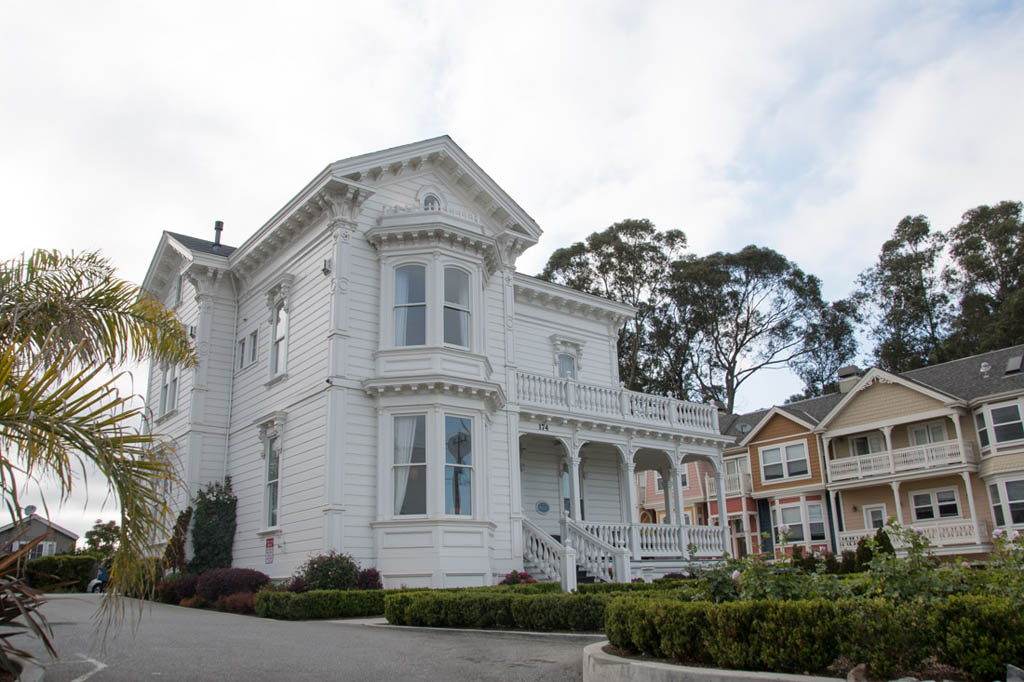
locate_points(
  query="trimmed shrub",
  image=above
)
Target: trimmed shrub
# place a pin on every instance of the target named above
(195, 602)
(167, 589)
(489, 608)
(329, 572)
(242, 602)
(226, 581)
(980, 635)
(369, 579)
(66, 572)
(319, 604)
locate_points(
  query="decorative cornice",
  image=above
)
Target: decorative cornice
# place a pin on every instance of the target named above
(329, 198)
(433, 229)
(547, 294)
(491, 393)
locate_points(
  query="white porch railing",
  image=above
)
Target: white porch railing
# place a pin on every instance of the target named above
(542, 550)
(734, 484)
(930, 456)
(660, 539)
(943, 533)
(598, 558)
(567, 395)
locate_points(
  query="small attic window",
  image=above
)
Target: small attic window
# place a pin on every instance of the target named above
(431, 203)
(1013, 364)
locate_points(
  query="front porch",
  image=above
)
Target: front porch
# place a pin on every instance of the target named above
(580, 514)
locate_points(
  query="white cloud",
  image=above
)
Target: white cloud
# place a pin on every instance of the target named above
(808, 127)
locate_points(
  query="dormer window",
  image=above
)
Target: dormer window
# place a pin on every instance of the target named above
(411, 305)
(431, 203)
(456, 307)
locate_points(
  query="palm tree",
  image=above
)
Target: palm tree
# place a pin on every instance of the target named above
(68, 328)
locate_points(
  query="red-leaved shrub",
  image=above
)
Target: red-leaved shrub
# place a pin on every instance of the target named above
(195, 602)
(221, 582)
(185, 586)
(369, 579)
(236, 603)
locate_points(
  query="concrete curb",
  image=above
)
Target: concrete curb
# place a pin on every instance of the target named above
(383, 623)
(599, 666)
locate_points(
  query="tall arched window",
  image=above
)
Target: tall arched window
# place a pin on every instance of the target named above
(456, 307)
(431, 203)
(410, 306)
(279, 340)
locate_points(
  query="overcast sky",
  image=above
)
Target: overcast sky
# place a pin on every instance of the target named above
(810, 128)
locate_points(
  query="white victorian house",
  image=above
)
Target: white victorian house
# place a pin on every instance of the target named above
(376, 378)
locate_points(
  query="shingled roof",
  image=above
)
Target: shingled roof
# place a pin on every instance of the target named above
(967, 379)
(202, 245)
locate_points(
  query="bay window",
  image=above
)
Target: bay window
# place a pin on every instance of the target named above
(979, 424)
(410, 465)
(411, 305)
(456, 307)
(1006, 423)
(1007, 499)
(458, 466)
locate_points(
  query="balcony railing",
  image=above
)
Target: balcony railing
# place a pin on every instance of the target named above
(920, 457)
(943, 533)
(573, 397)
(660, 539)
(734, 484)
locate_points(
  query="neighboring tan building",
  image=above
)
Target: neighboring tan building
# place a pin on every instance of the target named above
(58, 540)
(939, 448)
(376, 378)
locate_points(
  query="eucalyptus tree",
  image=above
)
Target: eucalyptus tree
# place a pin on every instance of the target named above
(627, 262)
(744, 312)
(987, 278)
(904, 301)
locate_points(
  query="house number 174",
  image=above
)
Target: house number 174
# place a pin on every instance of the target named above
(542, 427)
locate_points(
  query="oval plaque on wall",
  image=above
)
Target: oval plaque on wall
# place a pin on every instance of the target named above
(543, 507)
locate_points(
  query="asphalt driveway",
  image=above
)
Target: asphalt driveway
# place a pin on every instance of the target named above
(175, 643)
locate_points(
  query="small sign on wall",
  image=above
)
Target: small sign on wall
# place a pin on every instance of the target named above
(270, 551)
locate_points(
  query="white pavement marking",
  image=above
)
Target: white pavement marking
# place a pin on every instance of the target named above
(99, 666)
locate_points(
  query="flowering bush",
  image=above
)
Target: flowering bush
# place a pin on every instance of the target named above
(520, 578)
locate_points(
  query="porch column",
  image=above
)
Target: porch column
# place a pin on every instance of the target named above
(887, 433)
(574, 487)
(675, 491)
(835, 520)
(746, 526)
(666, 494)
(629, 515)
(895, 485)
(723, 515)
(970, 504)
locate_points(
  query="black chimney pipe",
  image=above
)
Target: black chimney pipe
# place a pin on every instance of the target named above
(218, 227)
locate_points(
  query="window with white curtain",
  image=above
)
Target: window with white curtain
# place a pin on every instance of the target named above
(456, 307)
(168, 389)
(410, 465)
(411, 305)
(273, 457)
(566, 366)
(279, 339)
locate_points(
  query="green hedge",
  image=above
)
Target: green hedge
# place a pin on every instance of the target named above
(48, 571)
(979, 635)
(498, 609)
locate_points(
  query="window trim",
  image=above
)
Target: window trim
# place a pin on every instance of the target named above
(271, 432)
(1004, 501)
(934, 504)
(781, 447)
(927, 426)
(995, 440)
(247, 350)
(279, 298)
(425, 304)
(868, 438)
(425, 465)
(169, 381)
(446, 304)
(471, 466)
(868, 508)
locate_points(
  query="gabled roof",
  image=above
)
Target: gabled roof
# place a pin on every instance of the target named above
(807, 412)
(43, 520)
(876, 375)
